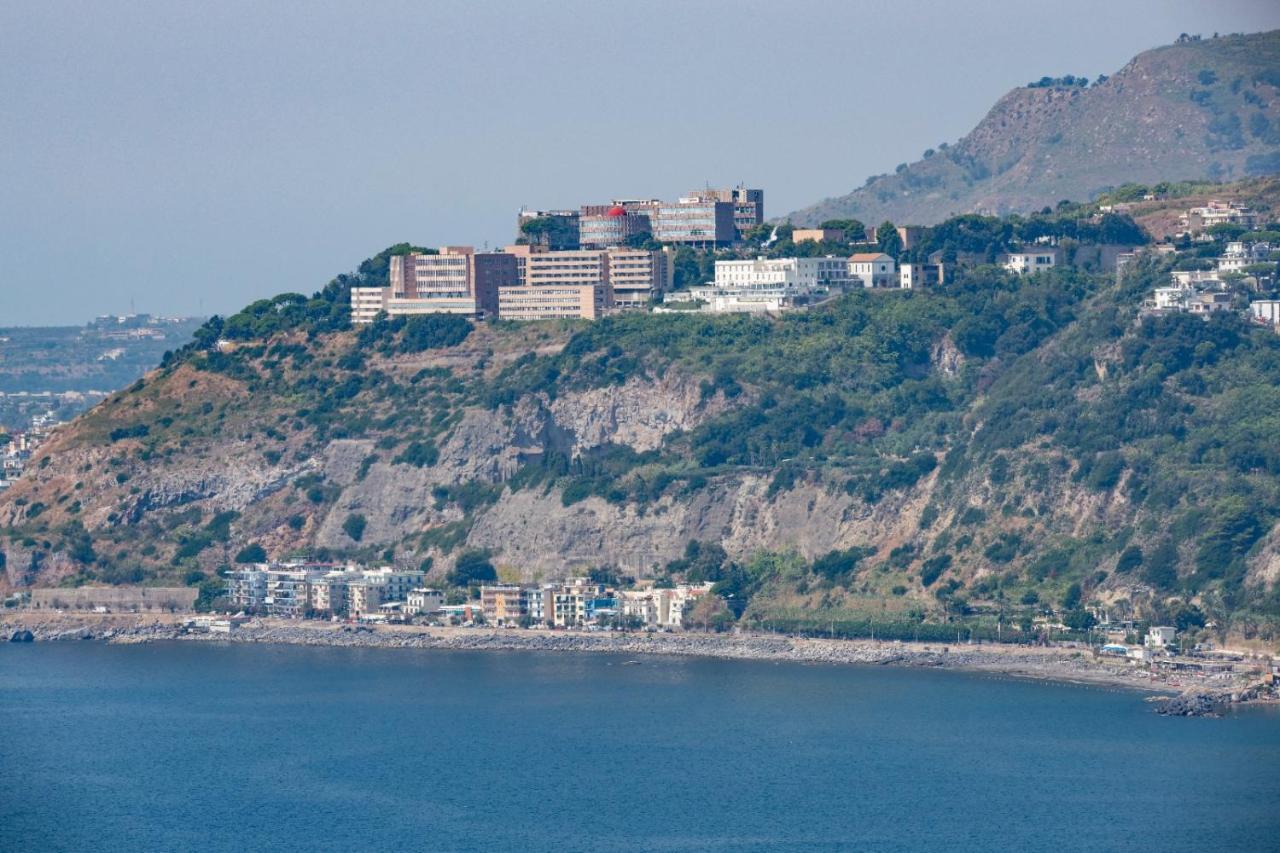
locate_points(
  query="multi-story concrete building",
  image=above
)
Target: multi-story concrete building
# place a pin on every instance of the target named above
(873, 270)
(559, 285)
(422, 600)
(662, 608)
(293, 590)
(637, 276)
(1239, 255)
(456, 280)
(554, 302)
(1197, 278)
(539, 603)
(504, 604)
(369, 589)
(695, 222)
(1191, 299)
(583, 266)
(521, 252)
(606, 226)
(330, 594)
(748, 205)
(364, 596)
(583, 283)
(287, 593)
(1031, 261)
(572, 602)
(638, 604)
(798, 275)
(247, 588)
(1200, 219)
(367, 303)
(915, 275)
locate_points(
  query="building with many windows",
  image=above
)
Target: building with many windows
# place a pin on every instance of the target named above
(801, 275)
(748, 205)
(582, 283)
(607, 226)
(583, 266)
(422, 600)
(1029, 261)
(916, 275)
(554, 302)
(637, 276)
(294, 590)
(504, 604)
(694, 221)
(456, 280)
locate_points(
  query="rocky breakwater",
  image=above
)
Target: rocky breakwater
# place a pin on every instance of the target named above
(57, 629)
(1213, 703)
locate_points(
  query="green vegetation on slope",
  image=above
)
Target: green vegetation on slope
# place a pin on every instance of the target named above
(1069, 452)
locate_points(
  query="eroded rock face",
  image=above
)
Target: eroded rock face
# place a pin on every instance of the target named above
(638, 414)
(1264, 565)
(489, 446)
(536, 535)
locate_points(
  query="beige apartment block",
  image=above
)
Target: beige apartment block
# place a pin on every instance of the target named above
(456, 280)
(582, 266)
(638, 276)
(554, 301)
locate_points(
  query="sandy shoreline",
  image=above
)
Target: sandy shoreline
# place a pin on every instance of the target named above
(1057, 664)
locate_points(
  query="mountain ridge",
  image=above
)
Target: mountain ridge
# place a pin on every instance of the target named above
(1191, 110)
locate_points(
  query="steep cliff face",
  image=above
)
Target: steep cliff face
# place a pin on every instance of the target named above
(1206, 109)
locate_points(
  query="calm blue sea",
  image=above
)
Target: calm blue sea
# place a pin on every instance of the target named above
(180, 747)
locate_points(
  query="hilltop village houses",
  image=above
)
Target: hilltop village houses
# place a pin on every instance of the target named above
(17, 452)
(1242, 267)
(358, 593)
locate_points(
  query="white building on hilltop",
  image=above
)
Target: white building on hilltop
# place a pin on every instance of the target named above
(1239, 255)
(873, 270)
(801, 275)
(765, 285)
(1029, 261)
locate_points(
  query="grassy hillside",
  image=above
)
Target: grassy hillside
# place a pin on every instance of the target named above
(1207, 109)
(974, 454)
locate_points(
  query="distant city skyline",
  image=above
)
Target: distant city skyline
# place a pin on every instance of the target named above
(188, 158)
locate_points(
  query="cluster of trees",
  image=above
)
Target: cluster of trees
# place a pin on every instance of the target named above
(1068, 81)
(329, 310)
(416, 333)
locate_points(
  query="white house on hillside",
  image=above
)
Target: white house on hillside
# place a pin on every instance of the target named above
(1028, 261)
(873, 269)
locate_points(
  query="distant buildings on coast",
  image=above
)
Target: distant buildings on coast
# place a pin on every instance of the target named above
(355, 592)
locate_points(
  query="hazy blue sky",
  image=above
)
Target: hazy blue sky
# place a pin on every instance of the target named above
(193, 157)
